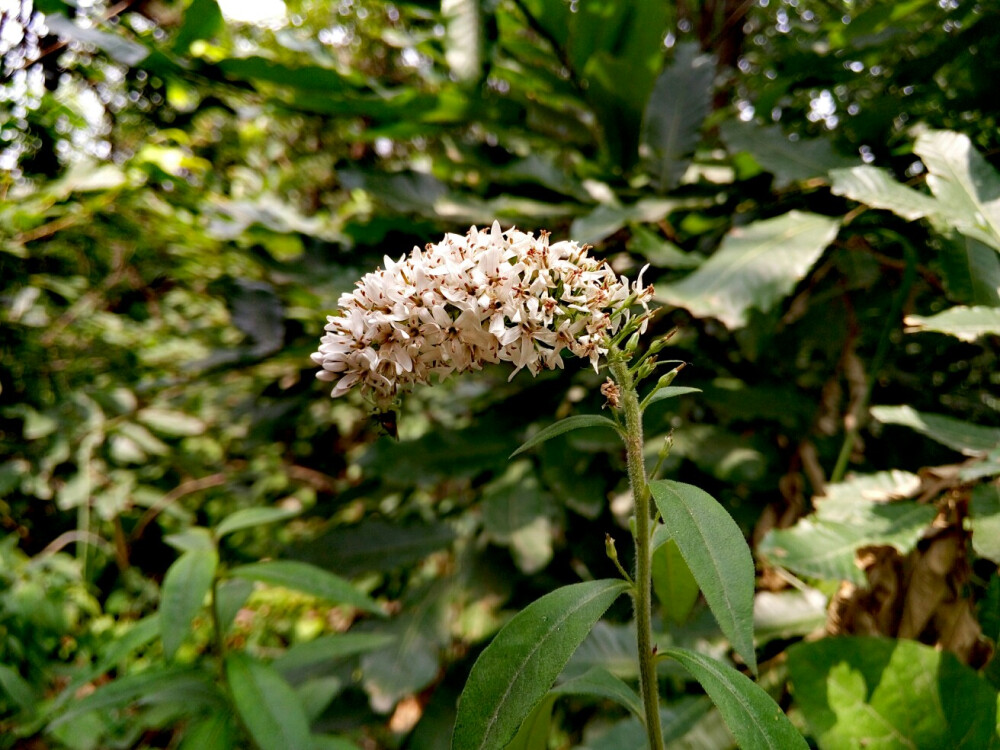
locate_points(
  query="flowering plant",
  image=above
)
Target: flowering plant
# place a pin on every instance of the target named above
(489, 297)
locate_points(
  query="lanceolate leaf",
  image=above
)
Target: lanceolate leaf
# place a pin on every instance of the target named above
(670, 391)
(309, 579)
(965, 323)
(673, 582)
(718, 556)
(189, 686)
(565, 425)
(268, 706)
(600, 683)
(671, 126)
(249, 517)
(755, 720)
(970, 439)
(756, 267)
(517, 669)
(184, 588)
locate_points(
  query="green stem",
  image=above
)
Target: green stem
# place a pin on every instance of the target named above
(643, 557)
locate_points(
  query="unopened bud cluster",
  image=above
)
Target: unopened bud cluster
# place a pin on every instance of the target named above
(486, 297)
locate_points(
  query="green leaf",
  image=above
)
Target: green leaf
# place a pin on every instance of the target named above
(230, 596)
(170, 423)
(189, 686)
(717, 554)
(854, 514)
(984, 511)
(308, 579)
(970, 271)
(463, 38)
(246, 518)
(17, 689)
(669, 391)
(965, 185)
(679, 104)
(267, 705)
(214, 733)
(304, 660)
(534, 732)
(876, 692)
(309, 78)
(185, 585)
(516, 513)
(660, 252)
(673, 582)
(964, 323)
(756, 267)
(969, 439)
(879, 189)
(330, 742)
(788, 613)
(753, 717)
(516, 670)
(202, 20)
(789, 161)
(576, 422)
(375, 546)
(600, 683)
(117, 47)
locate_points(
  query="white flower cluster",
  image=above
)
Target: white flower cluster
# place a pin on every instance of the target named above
(487, 297)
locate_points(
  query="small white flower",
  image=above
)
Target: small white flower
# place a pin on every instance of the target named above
(468, 301)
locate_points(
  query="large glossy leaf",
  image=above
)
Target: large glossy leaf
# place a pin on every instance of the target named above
(755, 720)
(516, 670)
(875, 692)
(970, 439)
(964, 323)
(970, 270)
(671, 127)
(717, 555)
(563, 426)
(309, 579)
(266, 704)
(787, 160)
(756, 267)
(184, 588)
(854, 514)
(964, 183)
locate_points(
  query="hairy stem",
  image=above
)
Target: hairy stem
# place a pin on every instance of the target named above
(643, 559)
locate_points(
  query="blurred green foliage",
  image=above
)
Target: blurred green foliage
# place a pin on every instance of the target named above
(184, 197)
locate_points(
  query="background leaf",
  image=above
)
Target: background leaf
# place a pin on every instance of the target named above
(309, 579)
(789, 161)
(967, 438)
(185, 585)
(266, 704)
(964, 323)
(756, 267)
(673, 582)
(868, 691)
(671, 126)
(516, 670)
(717, 555)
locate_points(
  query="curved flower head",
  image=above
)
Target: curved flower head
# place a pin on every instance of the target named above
(466, 301)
